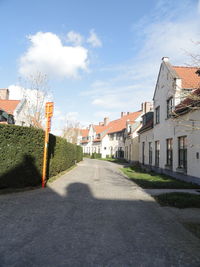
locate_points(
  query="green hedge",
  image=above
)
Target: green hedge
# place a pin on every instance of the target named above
(79, 153)
(96, 155)
(21, 160)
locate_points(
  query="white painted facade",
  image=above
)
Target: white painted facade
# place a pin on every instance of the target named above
(170, 86)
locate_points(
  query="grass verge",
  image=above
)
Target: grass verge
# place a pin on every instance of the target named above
(114, 160)
(152, 180)
(179, 200)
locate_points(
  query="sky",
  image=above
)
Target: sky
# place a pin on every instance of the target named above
(101, 57)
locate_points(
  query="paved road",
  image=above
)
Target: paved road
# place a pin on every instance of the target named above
(92, 216)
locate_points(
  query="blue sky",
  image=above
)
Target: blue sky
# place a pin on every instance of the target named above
(101, 57)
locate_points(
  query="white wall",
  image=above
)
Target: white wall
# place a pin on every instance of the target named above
(172, 128)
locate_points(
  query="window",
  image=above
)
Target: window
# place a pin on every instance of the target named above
(157, 153)
(169, 144)
(169, 107)
(158, 115)
(143, 151)
(182, 152)
(111, 137)
(150, 153)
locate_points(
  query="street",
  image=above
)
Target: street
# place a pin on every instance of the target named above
(92, 216)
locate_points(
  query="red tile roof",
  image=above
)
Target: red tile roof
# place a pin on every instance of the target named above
(113, 126)
(99, 128)
(120, 124)
(84, 132)
(9, 105)
(189, 77)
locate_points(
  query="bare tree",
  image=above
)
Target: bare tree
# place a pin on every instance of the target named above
(35, 92)
(71, 131)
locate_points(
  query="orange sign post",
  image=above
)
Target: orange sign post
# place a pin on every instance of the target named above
(48, 115)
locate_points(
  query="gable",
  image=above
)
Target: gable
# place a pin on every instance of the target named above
(166, 72)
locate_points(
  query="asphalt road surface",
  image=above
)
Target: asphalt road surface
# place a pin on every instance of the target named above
(92, 216)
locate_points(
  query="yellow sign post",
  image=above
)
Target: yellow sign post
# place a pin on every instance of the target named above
(48, 115)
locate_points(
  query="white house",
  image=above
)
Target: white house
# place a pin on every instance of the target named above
(108, 138)
(171, 144)
(16, 108)
(131, 135)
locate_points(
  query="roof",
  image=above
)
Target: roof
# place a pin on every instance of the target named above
(189, 77)
(9, 105)
(99, 128)
(84, 141)
(120, 124)
(193, 100)
(113, 126)
(84, 132)
(97, 140)
(146, 127)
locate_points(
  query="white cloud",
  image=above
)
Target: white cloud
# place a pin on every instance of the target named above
(133, 82)
(72, 116)
(48, 55)
(94, 39)
(74, 38)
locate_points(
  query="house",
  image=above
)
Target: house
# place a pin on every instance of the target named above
(131, 135)
(14, 108)
(108, 138)
(169, 139)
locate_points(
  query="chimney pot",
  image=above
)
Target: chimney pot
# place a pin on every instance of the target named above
(4, 94)
(165, 59)
(106, 121)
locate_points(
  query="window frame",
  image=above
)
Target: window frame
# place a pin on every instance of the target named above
(170, 106)
(150, 153)
(182, 152)
(169, 152)
(157, 153)
(157, 115)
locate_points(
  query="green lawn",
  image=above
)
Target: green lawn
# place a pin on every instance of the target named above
(152, 180)
(179, 200)
(114, 160)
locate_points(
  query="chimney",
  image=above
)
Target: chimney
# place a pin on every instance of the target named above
(146, 107)
(100, 123)
(123, 114)
(106, 121)
(128, 113)
(165, 59)
(4, 94)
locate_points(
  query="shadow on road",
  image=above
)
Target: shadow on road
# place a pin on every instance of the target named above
(46, 228)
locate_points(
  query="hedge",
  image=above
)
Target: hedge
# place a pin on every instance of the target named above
(96, 155)
(21, 151)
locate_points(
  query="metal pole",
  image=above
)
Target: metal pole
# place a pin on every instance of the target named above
(45, 155)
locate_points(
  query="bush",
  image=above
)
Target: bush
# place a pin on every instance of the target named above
(86, 155)
(21, 150)
(96, 155)
(79, 153)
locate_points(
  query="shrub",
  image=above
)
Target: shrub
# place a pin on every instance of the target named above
(86, 155)
(95, 155)
(21, 150)
(79, 153)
